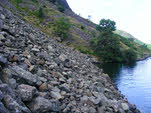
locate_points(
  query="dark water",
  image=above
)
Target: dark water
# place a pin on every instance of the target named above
(134, 81)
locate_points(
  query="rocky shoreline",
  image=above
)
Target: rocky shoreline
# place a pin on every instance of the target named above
(39, 75)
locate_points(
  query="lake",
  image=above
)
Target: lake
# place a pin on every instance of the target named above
(134, 81)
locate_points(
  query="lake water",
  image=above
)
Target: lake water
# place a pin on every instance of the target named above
(134, 81)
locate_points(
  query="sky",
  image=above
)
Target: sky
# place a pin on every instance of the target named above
(132, 16)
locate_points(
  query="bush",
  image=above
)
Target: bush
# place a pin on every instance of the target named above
(61, 8)
(35, 1)
(61, 27)
(82, 27)
(129, 56)
(18, 1)
(107, 47)
(40, 12)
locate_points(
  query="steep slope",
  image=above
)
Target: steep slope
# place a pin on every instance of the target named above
(39, 75)
(80, 33)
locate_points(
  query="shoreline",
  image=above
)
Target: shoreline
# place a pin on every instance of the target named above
(143, 58)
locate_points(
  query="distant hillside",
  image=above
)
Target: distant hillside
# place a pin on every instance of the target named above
(127, 35)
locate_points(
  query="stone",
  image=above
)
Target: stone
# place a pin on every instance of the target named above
(13, 106)
(101, 109)
(26, 92)
(125, 106)
(7, 90)
(40, 105)
(40, 72)
(2, 37)
(53, 65)
(94, 100)
(92, 110)
(65, 87)
(67, 63)
(1, 95)
(62, 57)
(50, 48)
(55, 106)
(42, 79)
(3, 61)
(2, 16)
(3, 109)
(56, 95)
(84, 98)
(43, 87)
(12, 83)
(35, 49)
(24, 75)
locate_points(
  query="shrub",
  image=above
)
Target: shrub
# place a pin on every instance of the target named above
(18, 1)
(61, 8)
(107, 47)
(40, 12)
(82, 27)
(35, 1)
(129, 56)
(61, 27)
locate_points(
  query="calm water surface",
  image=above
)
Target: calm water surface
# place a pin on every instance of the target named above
(134, 81)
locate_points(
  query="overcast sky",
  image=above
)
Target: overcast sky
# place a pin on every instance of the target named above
(132, 16)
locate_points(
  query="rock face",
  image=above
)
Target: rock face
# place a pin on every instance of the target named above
(39, 75)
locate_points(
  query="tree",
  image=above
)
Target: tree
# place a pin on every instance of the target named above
(61, 27)
(106, 25)
(107, 47)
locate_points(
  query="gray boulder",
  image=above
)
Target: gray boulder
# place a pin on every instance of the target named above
(26, 92)
(13, 106)
(42, 105)
(26, 76)
(3, 109)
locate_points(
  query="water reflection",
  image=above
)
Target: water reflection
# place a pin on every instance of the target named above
(134, 81)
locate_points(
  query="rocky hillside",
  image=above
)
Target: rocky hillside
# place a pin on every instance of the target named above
(39, 75)
(80, 32)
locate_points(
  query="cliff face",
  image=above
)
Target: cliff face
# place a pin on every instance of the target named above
(39, 75)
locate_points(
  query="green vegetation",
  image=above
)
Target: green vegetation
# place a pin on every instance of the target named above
(107, 47)
(35, 1)
(40, 13)
(111, 47)
(106, 25)
(61, 8)
(129, 55)
(61, 27)
(18, 1)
